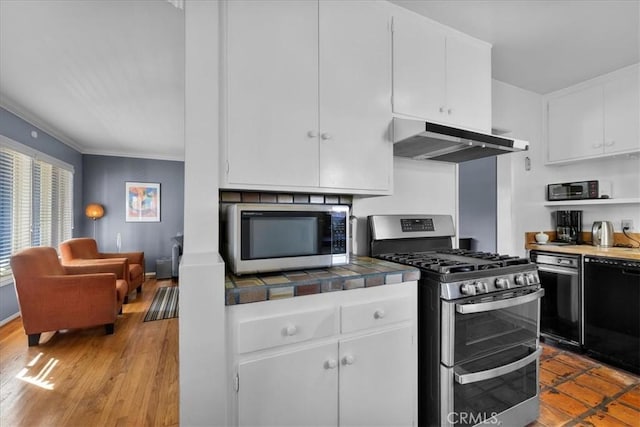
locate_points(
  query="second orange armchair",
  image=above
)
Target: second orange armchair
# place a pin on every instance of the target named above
(82, 251)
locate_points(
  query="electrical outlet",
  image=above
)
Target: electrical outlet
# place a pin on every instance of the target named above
(628, 224)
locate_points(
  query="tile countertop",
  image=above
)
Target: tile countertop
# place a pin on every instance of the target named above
(587, 249)
(361, 272)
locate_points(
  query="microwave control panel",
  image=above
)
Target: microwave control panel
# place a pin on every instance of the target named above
(338, 233)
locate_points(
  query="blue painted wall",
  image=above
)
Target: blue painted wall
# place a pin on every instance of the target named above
(477, 202)
(15, 128)
(104, 183)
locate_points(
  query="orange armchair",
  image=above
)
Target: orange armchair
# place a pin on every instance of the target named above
(84, 251)
(52, 297)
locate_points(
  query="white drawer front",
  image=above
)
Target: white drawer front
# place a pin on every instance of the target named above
(273, 331)
(360, 316)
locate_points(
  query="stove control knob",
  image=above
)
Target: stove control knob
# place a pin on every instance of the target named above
(502, 283)
(481, 287)
(468, 289)
(532, 278)
(521, 280)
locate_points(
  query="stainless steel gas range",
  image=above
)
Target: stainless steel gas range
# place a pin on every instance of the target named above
(478, 324)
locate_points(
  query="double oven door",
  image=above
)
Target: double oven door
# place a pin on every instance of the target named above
(489, 358)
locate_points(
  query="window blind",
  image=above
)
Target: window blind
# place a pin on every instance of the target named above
(36, 203)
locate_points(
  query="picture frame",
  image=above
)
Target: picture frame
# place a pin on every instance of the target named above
(142, 201)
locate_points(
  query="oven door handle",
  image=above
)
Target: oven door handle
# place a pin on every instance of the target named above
(559, 270)
(497, 305)
(497, 372)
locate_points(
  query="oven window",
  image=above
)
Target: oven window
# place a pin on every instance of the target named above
(481, 400)
(485, 332)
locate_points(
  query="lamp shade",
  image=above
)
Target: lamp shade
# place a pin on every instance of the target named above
(94, 211)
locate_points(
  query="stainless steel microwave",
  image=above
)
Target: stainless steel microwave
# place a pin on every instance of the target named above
(579, 190)
(274, 237)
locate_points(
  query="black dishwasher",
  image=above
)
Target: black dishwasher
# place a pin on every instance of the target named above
(612, 311)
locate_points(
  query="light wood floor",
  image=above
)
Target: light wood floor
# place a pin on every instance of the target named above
(87, 378)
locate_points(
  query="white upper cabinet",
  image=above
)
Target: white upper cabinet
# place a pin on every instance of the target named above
(272, 93)
(355, 95)
(308, 96)
(468, 82)
(622, 113)
(595, 119)
(440, 74)
(576, 124)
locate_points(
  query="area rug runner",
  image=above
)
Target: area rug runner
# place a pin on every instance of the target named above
(164, 304)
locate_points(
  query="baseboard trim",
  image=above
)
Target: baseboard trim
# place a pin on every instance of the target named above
(9, 319)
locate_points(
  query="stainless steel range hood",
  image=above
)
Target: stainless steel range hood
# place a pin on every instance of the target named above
(422, 140)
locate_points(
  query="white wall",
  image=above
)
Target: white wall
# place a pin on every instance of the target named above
(203, 363)
(420, 187)
(521, 193)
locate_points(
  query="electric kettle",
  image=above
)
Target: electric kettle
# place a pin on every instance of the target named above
(602, 233)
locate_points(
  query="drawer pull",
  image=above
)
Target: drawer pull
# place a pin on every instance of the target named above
(291, 330)
(379, 314)
(348, 360)
(330, 364)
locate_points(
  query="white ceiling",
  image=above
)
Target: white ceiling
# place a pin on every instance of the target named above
(107, 77)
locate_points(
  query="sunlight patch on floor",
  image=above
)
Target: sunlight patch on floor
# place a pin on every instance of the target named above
(41, 378)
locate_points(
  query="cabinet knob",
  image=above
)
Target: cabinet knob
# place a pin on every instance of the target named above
(610, 143)
(330, 364)
(312, 134)
(441, 109)
(325, 136)
(597, 145)
(291, 330)
(348, 360)
(379, 314)
(449, 111)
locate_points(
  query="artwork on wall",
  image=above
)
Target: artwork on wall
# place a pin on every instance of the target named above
(142, 202)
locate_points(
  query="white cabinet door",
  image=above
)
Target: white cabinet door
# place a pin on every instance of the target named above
(468, 83)
(355, 95)
(575, 124)
(621, 109)
(440, 75)
(377, 374)
(272, 98)
(292, 389)
(418, 67)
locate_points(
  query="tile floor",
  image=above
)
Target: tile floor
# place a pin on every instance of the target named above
(578, 391)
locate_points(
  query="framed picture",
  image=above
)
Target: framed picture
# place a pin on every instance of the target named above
(142, 202)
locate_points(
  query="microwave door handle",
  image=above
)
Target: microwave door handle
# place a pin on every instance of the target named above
(500, 304)
(499, 371)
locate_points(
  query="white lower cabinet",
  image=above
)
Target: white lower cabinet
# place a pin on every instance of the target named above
(363, 374)
(297, 388)
(376, 378)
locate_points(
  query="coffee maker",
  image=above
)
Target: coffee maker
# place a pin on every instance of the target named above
(569, 227)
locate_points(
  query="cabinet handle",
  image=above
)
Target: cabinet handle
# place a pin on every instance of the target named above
(610, 143)
(330, 364)
(325, 136)
(312, 134)
(291, 330)
(348, 360)
(379, 314)
(597, 145)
